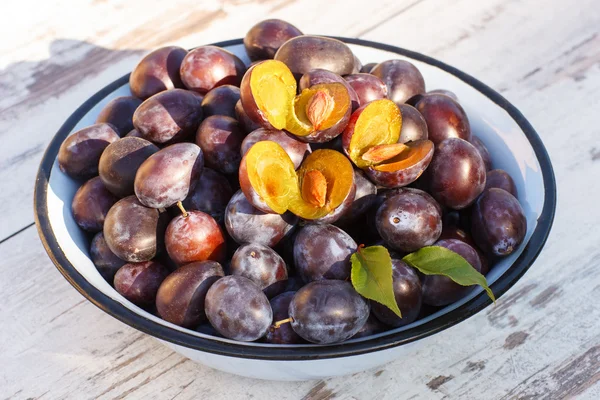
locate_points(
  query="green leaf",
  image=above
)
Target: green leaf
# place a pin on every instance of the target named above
(436, 260)
(372, 276)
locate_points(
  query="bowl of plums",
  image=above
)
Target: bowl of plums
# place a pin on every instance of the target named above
(290, 206)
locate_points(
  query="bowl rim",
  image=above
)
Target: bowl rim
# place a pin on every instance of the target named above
(289, 353)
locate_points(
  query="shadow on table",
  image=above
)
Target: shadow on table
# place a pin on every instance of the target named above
(69, 62)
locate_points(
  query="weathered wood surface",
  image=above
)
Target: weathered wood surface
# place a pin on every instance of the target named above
(542, 339)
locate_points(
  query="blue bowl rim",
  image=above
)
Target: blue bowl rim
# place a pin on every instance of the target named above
(279, 353)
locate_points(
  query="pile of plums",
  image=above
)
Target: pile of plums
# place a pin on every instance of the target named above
(228, 198)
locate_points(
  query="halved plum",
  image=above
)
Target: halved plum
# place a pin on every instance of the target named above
(318, 114)
(270, 182)
(371, 142)
(296, 149)
(319, 76)
(405, 167)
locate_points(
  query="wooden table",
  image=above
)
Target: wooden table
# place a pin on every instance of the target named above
(542, 339)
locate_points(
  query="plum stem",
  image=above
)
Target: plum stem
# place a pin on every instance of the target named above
(183, 211)
(162, 210)
(277, 324)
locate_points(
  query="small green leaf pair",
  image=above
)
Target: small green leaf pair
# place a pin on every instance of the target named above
(372, 271)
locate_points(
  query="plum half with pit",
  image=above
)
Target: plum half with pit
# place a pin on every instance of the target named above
(318, 114)
(320, 76)
(270, 182)
(371, 141)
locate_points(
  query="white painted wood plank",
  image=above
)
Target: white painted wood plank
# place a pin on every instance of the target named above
(541, 340)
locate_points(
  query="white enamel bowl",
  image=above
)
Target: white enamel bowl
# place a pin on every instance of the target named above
(513, 143)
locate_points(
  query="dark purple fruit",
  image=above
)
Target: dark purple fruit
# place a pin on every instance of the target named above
(456, 174)
(158, 71)
(372, 327)
(120, 161)
(407, 292)
(247, 224)
(483, 152)
(139, 282)
(168, 176)
(262, 265)
(328, 311)
(221, 101)
(91, 204)
(445, 92)
(106, 262)
(246, 123)
(445, 118)
(439, 290)
(210, 195)
(207, 67)
(238, 309)
(133, 232)
(498, 178)
(414, 126)
(264, 39)
(366, 69)
(402, 79)
(304, 53)
(220, 138)
(323, 252)
(80, 153)
(284, 334)
(119, 113)
(169, 116)
(180, 297)
(409, 220)
(498, 222)
(367, 87)
(364, 198)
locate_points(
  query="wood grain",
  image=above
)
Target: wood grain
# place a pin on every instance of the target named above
(542, 339)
